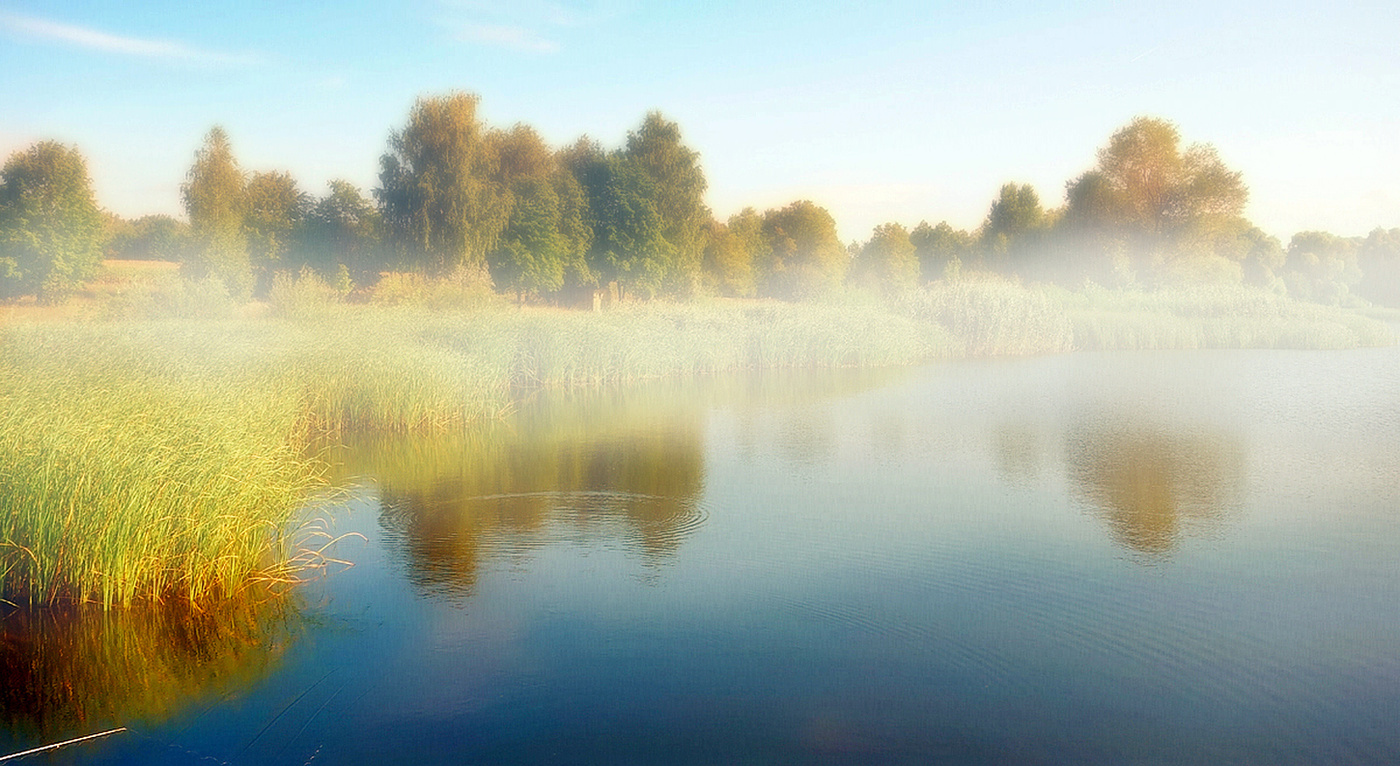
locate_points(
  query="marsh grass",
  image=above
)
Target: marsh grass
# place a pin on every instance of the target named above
(159, 460)
(1214, 317)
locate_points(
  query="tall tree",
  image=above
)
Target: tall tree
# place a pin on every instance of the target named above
(629, 241)
(274, 218)
(214, 199)
(546, 236)
(442, 203)
(803, 256)
(1155, 200)
(50, 226)
(678, 183)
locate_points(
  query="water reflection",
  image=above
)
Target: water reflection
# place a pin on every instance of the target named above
(71, 671)
(584, 468)
(1153, 485)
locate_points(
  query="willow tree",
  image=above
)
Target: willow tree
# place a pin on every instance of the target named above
(442, 204)
(50, 226)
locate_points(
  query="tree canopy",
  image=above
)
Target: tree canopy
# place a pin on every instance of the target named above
(215, 201)
(50, 226)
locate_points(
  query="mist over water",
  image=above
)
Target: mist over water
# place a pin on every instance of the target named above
(1101, 558)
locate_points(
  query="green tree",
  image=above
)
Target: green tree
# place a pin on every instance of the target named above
(343, 229)
(888, 261)
(629, 241)
(941, 250)
(50, 227)
(439, 192)
(214, 199)
(1013, 226)
(678, 183)
(274, 217)
(803, 257)
(546, 238)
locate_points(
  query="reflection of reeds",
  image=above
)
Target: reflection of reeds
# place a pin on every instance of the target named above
(156, 460)
(74, 670)
(162, 460)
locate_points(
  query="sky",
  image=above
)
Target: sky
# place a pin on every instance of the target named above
(879, 111)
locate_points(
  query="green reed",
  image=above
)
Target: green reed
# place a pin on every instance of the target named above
(150, 460)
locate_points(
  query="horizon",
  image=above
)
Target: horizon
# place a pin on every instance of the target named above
(879, 114)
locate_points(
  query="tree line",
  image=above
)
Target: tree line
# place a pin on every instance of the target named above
(547, 223)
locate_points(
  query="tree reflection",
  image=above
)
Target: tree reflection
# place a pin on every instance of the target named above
(76, 670)
(1153, 485)
(598, 467)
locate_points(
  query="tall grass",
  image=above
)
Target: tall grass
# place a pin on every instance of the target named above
(124, 476)
(164, 460)
(1214, 317)
(160, 459)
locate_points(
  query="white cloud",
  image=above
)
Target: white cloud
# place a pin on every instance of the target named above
(97, 40)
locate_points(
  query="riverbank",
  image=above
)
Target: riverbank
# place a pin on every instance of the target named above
(161, 458)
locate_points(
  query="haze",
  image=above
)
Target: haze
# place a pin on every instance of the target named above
(896, 111)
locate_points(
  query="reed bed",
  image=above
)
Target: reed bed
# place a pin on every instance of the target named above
(162, 460)
(158, 460)
(1214, 317)
(993, 317)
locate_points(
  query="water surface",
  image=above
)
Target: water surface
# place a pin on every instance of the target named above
(1175, 557)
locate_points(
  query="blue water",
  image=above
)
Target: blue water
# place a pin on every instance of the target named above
(1186, 557)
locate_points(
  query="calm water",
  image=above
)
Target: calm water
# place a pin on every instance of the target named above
(1187, 557)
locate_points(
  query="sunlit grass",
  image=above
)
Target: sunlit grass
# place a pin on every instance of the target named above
(148, 460)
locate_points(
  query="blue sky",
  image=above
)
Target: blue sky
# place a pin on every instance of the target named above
(880, 111)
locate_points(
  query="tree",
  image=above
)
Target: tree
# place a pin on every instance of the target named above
(1379, 261)
(888, 260)
(803, 256)
(214, 199)
(1154, 200)
(679, 186)
(149, 238)
(629, 242)
(1150, 205)
(1013, 225)
(439, 192)
(50, 226)
(531, 256)
(941, 250)
(730, 251)
(546, 237)
(1322, 266)
(343, 229)
(274, 216)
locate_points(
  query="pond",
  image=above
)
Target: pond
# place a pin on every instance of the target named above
(1176, 557)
